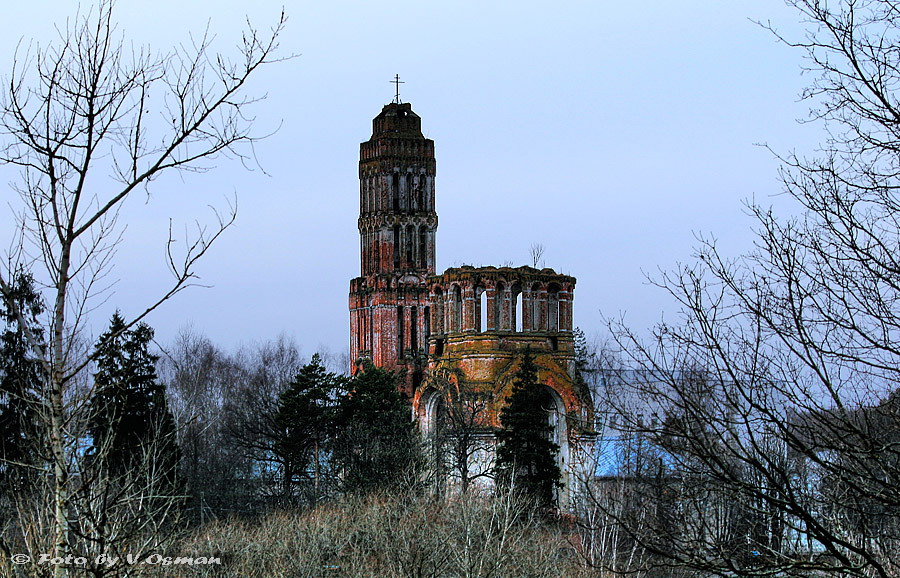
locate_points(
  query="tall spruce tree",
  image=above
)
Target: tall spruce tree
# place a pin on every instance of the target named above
(585, 359)
(304, 421)
(130, 424)
(377, 444)
(21, 378)
(526, 456)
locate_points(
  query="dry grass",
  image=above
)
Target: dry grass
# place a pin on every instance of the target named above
(386, 536)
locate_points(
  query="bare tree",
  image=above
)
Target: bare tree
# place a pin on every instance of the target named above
(86, 106)
(537, 255)
(134, 512)
(461, 442)
(790, 442)
(200, 378)
(251, 407)
(618, 499)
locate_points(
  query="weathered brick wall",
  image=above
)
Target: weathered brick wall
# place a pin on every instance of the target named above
(389, 313)
(476, 336)
(467, 328)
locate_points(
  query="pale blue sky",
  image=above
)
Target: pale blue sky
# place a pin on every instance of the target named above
(611, 133)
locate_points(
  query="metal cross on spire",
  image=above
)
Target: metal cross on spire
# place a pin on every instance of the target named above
(397, 82)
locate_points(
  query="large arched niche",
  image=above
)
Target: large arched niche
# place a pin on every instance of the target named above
(432, 400)
(556, 416)
(428, 411)
(556, 406)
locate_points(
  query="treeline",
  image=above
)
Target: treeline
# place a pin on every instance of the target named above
(166, 439)
(163, 439)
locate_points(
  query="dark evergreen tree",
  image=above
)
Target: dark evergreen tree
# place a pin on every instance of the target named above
(21, 377)
(526, 456)
(585, 359)
(130, 424)
(376, 443)
(304, 421)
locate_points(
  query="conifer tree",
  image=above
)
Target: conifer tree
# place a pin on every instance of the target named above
(585, 359)
(21, 377)
(376, 444)
(305, 420)
(526, 456)
(130, 421)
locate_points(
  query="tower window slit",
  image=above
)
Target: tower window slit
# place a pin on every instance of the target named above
(456, 309)
(423, 187)
(400, 332)
(414, 328)
(396, 246)
(395, 192)
(410, 242)
(408, 193)
(423, 248)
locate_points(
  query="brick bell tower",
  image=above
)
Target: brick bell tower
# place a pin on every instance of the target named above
(389, 309)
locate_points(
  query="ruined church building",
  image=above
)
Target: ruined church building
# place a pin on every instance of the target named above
(466, 329)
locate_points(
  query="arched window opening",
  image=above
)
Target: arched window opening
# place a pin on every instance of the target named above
(553, 323)
(518, 309)
(456, 305)
(400, 332)
(556, 418)
(410, 244)
(537, 323)
(482, 310)
(439, 310)
(396, 246)
(433, 403)
(426, 321)
(395, 192)
(500, 321)
(550, 407)
(423, 247)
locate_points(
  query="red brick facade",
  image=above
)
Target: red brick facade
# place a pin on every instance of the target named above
(397, 225)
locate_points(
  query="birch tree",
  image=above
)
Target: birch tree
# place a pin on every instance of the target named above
(91, 120)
